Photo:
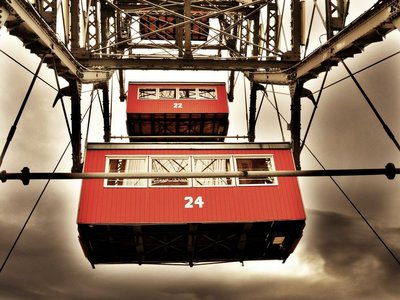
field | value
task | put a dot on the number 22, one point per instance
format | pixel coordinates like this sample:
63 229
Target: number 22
178 105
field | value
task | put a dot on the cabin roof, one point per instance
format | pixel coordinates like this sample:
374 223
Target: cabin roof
188 145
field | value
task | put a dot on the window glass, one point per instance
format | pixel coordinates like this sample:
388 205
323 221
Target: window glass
167 94
255 164
207 94
170 165
127 165
187 93
212 165
147 93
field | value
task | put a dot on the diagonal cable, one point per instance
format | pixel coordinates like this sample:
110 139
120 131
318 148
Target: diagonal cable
371 105
37 202
350 201
19 114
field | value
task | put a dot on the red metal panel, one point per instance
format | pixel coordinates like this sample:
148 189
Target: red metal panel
108 205
135 105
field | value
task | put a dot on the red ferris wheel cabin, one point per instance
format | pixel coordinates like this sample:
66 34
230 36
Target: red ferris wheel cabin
154 26
170 109
189 220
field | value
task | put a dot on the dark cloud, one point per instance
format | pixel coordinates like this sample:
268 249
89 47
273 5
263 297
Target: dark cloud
353 254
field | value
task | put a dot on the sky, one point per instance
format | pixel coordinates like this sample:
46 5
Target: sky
338 257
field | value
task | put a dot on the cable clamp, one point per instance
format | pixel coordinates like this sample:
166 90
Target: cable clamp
26 175
3 176
390 171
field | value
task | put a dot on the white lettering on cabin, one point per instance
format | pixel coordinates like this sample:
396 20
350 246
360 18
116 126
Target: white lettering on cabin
178 105
191 203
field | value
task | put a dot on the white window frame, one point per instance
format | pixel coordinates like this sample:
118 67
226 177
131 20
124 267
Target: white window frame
170 157
255 156
196 91
191 182
147 88
127 157
167 88
207 88
229 157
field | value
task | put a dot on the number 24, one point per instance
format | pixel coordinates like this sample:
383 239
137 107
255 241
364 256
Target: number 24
192 202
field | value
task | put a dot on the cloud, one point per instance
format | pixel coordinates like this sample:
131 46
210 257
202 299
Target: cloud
353 255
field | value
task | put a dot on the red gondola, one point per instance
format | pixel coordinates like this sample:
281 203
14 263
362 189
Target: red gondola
176 109
185 220
163 27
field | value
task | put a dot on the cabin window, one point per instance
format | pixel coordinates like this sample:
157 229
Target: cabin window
148 93
181 93
167 94
207 94
255 164
211 165
170 165
124 165
187 93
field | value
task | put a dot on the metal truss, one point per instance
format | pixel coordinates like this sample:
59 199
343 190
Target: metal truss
91 38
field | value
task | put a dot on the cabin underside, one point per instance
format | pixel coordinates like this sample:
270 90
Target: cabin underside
165 126
189 244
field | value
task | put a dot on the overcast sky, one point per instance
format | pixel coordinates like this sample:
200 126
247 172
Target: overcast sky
338 258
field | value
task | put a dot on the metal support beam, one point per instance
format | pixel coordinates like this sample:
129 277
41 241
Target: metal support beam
354 33
271 31
3 15
48 10
208 63
231 86
106 112
74 13
295 123
188 31
242 243
122 95
178 36
256 31
191 243
335 16
295 29
252 110
390 171
76 125
138 239
47 37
